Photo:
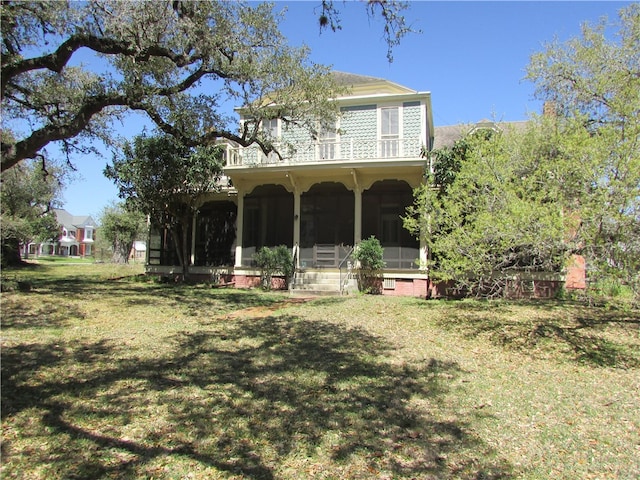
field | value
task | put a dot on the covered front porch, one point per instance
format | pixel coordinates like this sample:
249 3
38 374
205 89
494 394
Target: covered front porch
322 217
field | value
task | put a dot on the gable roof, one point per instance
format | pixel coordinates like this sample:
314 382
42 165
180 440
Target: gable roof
350 79
366 85
78 221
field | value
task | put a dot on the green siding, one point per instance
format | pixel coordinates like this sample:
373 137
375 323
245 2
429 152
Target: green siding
301 140
358 124
411 120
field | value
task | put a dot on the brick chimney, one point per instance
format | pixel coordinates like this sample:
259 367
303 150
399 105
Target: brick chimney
549 108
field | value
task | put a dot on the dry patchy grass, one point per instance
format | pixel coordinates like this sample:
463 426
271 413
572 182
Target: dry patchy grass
105 375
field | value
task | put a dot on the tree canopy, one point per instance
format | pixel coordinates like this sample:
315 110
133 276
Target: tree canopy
121 226
70 68
165 179
27 198
495 212
500 201
595 81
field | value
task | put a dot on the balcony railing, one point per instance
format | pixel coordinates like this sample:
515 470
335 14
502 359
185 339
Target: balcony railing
344 151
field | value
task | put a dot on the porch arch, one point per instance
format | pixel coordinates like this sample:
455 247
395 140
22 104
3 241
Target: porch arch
383 205
326 221
267 220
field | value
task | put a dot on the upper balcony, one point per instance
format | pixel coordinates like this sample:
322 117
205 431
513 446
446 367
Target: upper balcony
351 150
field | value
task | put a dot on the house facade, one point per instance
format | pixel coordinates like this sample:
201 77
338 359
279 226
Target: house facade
321 197
77 237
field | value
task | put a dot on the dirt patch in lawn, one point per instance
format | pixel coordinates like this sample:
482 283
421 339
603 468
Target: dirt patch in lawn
263 311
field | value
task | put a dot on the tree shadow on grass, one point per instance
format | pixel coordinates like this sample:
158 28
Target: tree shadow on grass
595 337
263 398
38 315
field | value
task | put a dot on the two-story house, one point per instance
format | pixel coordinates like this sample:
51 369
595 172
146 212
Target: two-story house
321 197
77 236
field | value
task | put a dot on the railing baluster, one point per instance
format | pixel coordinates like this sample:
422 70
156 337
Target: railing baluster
349 149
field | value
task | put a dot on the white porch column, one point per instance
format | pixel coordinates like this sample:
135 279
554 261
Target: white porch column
193 239
239 228
424 254
424 250
357 220
296 224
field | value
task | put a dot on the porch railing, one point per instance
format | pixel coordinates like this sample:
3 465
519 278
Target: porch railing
401 257
330 256
346 270
342 151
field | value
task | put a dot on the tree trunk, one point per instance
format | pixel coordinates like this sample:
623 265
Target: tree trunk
181 250
120 252
186 248
11 253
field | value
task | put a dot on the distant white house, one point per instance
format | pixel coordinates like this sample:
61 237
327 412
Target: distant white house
138 251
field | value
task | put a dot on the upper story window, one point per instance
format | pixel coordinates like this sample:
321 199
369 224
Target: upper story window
270 127
389 131
88 233
327 144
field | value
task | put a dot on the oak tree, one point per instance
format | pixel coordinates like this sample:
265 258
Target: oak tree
121 225
594 80
70 68
491 210
27 198
165 179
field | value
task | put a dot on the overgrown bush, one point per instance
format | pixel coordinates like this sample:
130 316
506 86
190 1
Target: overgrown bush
369 255
612 293
273 261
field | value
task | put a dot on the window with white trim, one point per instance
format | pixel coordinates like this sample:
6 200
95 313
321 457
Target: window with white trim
327 144
389 131
270 128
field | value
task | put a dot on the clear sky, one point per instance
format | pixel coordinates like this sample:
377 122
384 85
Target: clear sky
471 56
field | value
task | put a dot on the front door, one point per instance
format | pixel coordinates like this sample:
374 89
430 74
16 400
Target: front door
326 219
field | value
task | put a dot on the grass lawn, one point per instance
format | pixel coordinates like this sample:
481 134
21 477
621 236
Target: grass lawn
54 259
108 375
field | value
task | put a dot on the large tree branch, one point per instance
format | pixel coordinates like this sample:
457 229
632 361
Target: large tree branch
208 138
28 148
12 154
58 59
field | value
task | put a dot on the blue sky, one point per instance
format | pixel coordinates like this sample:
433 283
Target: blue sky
471 56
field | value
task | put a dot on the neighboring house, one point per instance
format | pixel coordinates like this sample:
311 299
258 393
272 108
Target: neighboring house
138 251
323 198
77 236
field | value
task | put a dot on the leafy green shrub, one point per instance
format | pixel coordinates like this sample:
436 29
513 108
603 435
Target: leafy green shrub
611 292
277 260
369 255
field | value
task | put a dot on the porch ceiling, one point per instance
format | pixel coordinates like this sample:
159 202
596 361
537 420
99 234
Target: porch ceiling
354 175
